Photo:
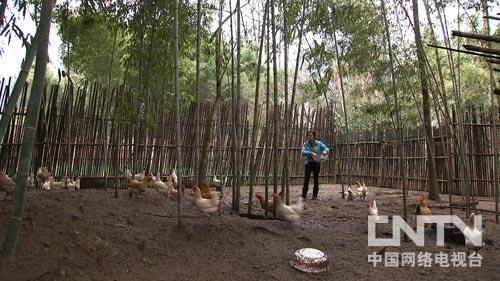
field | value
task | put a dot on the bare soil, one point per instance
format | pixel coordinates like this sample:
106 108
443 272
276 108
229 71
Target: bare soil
90 235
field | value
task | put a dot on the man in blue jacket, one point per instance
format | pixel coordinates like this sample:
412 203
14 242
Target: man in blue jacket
311 150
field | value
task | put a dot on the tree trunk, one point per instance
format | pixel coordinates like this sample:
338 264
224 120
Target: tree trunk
35 99
401 150
444 98
494 135
285 187
177 111
426 108
198 96
237 107
275 104
210 120
253 161
19 85
266 150
344 105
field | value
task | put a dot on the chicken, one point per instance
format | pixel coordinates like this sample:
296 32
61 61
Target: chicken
268 206
372 209
477 234
207 206
216 180
31 181
7 185
46 185
289 213
173 194
140 176
159 185
42 175
362 190
422 210
57 184
173 174
73 185
128 175
135 187
350 194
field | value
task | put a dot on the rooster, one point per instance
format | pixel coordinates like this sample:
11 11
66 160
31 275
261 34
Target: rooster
207 206
289 213
372 209
268 206
135 187
471 230
7 184
422 210
362 190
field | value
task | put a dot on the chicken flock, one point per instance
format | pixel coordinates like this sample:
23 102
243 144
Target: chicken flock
208 201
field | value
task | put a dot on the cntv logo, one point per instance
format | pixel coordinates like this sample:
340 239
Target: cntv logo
398 225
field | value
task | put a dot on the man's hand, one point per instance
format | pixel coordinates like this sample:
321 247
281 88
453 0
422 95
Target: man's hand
325 152
313 154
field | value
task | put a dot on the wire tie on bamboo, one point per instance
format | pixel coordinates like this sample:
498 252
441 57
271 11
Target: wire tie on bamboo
17 218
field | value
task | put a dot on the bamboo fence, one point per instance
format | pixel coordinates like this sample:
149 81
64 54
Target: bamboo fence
70 141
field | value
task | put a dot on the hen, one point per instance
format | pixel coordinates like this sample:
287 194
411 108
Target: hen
42 175
362 190
372 209
135 187
477 234
422 210
350 194
289 213
73 185
207 206
268 206
7 184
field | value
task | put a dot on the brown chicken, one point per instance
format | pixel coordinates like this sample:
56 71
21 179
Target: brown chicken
268 206
422 210
135 187
7 184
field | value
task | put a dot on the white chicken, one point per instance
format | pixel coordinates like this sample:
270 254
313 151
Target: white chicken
31 181
42 175
372 209
362 190
207 206
46 185
73 185
128 175
57 184
475 233
140 176
173 174
159 185
289 213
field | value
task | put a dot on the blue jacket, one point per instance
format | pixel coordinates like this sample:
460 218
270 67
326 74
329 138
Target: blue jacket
317 148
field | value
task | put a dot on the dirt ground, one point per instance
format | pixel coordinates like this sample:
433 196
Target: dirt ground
90 235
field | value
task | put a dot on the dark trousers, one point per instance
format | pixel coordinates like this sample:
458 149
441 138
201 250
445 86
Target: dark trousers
314 168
